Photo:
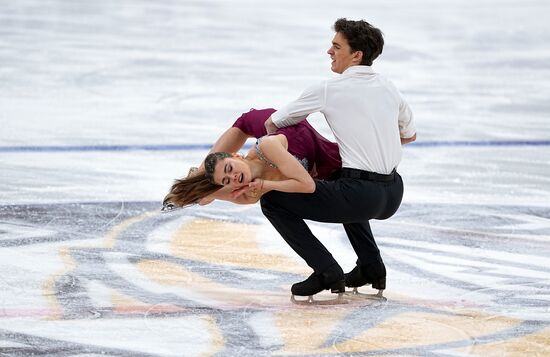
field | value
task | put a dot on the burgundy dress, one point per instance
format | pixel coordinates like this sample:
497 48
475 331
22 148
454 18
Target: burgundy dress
304 142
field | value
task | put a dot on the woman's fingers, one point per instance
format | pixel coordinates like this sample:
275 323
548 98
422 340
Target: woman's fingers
240 191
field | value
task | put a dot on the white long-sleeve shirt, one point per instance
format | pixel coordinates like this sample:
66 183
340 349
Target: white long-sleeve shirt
366 113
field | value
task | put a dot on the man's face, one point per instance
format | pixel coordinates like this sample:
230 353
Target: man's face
341 54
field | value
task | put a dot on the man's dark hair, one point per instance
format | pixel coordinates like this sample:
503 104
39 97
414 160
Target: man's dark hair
363 37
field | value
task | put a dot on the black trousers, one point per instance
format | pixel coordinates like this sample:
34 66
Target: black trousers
352 202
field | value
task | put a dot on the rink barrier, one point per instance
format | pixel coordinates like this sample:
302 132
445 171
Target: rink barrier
201 147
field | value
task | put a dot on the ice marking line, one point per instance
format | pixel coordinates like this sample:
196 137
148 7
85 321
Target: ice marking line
84 148
198 147
48 287
69 264
111 236
52 313
480 143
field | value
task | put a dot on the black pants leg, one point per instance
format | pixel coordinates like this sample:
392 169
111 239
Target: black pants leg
348 201
290 227
362 241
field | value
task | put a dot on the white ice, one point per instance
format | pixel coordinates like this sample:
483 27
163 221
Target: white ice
136 72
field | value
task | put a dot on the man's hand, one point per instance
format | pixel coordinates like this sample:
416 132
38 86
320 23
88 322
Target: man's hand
270 127
408 140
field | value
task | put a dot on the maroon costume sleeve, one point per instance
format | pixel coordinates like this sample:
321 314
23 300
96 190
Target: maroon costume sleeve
304 142
252 123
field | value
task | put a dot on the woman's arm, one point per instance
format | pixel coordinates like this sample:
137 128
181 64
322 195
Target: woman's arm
298 179
248 125
230 141
225 194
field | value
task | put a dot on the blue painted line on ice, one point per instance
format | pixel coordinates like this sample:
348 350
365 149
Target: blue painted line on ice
196 147
481 143
189 147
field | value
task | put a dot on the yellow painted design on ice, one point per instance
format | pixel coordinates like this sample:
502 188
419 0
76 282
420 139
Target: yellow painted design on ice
535 345
220 242
423 329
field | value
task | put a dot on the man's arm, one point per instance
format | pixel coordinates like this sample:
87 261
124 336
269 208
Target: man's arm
407 127
312 100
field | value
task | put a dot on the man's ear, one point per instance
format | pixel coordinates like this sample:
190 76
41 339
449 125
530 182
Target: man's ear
358 56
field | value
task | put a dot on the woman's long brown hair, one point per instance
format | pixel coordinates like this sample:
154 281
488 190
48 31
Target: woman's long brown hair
190 190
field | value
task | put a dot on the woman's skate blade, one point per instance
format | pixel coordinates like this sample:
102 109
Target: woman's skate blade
169 207
311 301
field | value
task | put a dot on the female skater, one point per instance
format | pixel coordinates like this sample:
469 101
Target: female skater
285 161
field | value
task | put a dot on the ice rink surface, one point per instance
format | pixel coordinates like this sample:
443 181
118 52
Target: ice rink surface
104 103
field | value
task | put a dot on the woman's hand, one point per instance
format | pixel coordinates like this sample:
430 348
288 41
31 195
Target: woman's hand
256 184
206 200
253 189
269 126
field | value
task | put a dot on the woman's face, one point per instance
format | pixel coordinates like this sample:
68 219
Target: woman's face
233 172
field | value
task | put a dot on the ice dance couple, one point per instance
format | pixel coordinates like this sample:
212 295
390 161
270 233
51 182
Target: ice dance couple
297 174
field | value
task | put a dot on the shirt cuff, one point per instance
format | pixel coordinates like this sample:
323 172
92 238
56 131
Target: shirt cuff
407 131
278 118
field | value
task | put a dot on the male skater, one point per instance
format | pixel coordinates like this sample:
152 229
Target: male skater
370 120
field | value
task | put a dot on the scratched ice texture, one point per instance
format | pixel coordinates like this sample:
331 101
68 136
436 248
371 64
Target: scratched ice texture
89 267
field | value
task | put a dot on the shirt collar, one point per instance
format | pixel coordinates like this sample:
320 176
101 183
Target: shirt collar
359 69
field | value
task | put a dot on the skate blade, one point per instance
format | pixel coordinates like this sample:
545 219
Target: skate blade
310 301
377 297
169 207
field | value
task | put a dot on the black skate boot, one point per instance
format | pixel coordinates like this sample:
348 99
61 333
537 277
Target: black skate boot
332 278
372 273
